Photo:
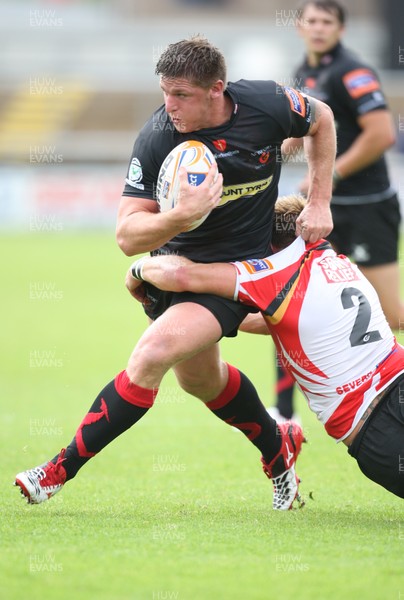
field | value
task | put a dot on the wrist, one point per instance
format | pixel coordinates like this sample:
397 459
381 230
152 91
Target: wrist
136 268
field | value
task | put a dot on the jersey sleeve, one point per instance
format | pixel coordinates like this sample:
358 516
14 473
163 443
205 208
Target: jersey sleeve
360 88
265 282
247 290
154 142
287 111
141 177
299 111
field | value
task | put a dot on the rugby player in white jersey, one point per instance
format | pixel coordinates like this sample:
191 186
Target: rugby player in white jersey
328 325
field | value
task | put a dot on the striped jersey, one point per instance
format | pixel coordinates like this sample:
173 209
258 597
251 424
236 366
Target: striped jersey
326 321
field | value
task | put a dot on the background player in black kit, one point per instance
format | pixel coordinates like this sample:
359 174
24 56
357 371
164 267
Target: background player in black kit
364 205
244 124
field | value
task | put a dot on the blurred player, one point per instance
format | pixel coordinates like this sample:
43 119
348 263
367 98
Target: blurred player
244 125
364 205
328 326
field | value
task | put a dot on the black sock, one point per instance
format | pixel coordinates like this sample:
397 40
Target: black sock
240 406
284 390
119 406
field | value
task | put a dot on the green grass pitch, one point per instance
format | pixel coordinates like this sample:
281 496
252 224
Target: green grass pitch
178 506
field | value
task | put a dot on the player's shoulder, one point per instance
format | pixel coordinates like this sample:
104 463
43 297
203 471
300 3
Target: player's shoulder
267 98
251 90
289 257
297 249
360 81
347 61
292 254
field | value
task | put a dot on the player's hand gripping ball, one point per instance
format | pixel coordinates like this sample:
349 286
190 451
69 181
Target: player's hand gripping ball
197 159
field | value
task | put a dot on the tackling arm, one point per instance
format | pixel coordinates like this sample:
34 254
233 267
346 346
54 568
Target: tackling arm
178 274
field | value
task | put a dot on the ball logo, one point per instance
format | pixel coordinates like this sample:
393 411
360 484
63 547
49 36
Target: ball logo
193 178
196 178
197 160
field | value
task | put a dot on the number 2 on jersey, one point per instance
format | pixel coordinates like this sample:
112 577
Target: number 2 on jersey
359 334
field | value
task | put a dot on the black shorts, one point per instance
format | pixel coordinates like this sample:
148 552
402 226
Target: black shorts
367 233
379 445
228 313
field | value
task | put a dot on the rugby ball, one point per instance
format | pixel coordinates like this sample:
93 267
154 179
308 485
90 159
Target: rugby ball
197 159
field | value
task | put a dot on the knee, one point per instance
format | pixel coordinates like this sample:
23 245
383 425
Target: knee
190 383
202 385
148 363
202 389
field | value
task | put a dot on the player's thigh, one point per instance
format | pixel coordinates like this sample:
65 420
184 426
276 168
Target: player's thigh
180 332
204 375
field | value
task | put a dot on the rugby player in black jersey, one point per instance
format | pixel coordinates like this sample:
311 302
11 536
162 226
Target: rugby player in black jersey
244 125
364 205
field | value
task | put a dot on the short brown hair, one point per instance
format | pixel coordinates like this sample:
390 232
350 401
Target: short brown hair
194 59
330 6
287 209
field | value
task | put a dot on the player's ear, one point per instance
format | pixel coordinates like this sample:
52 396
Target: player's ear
217 89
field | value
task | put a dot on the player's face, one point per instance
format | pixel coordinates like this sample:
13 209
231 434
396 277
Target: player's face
188 106
320 30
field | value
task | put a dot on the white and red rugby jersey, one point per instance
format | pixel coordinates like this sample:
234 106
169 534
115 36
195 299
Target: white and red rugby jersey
326 320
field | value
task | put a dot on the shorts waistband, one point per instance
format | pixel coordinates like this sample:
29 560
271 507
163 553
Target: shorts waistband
365 417
386 194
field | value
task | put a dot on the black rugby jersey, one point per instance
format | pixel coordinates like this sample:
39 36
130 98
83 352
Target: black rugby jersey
247 151
351 89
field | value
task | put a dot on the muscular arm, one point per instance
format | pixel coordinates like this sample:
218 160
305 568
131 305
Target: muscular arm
142 228
377 135
315 221
178 274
